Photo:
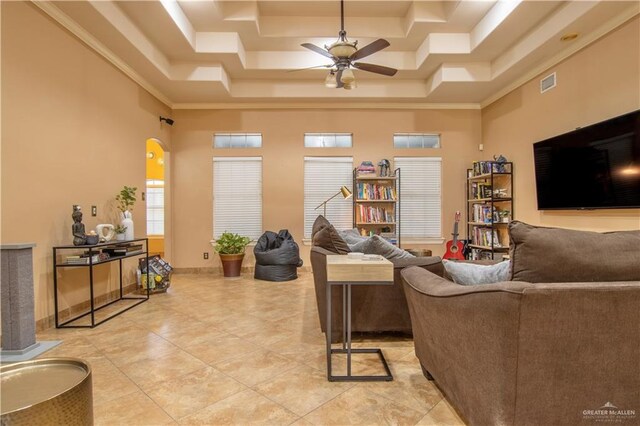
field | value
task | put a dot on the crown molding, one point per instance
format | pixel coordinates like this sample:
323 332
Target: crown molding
575 47
84 36
325 105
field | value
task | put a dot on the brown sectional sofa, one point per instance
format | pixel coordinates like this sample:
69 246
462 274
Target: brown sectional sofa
375 308
537 353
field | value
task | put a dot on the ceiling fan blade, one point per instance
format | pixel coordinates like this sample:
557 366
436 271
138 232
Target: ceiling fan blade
339 79
317 49
310 68
378 69
370 49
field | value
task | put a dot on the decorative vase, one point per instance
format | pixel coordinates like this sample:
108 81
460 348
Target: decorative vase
127 222
231 264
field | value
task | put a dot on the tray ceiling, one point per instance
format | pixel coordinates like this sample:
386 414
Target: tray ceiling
197 53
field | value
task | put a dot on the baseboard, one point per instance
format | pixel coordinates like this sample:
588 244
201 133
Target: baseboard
50 321
218 270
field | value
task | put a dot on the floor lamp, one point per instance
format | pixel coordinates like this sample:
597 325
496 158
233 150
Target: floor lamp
346 193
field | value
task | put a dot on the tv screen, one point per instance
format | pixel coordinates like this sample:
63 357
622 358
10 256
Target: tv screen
594 167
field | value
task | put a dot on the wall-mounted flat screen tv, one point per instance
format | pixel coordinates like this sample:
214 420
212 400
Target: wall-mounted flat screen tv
594 167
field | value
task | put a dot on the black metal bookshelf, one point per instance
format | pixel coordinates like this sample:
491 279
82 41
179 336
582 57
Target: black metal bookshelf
367 226
489 208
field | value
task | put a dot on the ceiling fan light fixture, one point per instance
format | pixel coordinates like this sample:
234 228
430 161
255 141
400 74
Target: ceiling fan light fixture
347 76
351 86
342 49
331 81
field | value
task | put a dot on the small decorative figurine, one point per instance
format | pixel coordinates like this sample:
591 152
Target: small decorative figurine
499 166
79 236
108 235
385 165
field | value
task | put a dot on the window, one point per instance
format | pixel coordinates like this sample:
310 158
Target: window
237 140
328 140
416 140
155 207
420 202
323 177
237 196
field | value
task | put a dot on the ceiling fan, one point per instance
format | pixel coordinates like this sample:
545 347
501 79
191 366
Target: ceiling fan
345 54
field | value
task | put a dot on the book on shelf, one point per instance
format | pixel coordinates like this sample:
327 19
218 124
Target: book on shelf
486 167
480 190
86 259
486 237
369 214
123 249
369 191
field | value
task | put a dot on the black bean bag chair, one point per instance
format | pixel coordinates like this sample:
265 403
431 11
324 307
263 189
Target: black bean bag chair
277 257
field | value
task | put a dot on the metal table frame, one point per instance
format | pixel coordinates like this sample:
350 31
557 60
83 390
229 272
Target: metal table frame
95 249
346 336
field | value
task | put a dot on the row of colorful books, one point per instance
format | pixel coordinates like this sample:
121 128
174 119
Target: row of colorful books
370 214
370 191
480 190
85 258
487 237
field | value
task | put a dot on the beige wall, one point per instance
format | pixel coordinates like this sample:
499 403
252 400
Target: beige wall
283 153
597 83
74 131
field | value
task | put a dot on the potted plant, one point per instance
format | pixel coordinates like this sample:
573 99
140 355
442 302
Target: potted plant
120 230
126 199
231 247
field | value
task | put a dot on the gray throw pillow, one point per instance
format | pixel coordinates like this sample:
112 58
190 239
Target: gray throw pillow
351 236
471 274
378 245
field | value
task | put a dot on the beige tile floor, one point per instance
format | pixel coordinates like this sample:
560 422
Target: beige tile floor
221 351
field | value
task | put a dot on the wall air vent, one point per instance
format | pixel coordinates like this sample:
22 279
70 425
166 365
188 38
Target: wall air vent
548 83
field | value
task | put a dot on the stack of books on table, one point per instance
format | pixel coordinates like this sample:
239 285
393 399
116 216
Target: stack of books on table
86 259
123 249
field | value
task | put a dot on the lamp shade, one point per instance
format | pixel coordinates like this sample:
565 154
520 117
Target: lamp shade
345 192
330 81
342 49
347 76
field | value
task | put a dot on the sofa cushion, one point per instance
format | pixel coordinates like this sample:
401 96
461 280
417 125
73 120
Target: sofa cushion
465 273
329 239
351 236
540 254
378 245
318 224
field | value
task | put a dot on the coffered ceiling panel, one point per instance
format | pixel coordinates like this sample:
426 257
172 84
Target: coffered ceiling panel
191 52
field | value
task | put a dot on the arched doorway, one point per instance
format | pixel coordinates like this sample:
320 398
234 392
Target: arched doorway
155 197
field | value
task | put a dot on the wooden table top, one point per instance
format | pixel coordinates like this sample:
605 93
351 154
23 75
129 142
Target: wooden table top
346 269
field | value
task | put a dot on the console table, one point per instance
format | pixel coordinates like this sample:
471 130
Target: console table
345 272
93 250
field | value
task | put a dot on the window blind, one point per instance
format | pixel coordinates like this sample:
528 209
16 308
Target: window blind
323 177
237 196
155 207
420 196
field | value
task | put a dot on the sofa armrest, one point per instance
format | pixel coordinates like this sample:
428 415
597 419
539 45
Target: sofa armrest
466 337
432 285
429 263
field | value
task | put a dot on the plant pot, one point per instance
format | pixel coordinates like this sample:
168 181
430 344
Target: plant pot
231 264
119 237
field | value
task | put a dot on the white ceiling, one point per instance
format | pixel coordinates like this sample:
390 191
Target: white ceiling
194 53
